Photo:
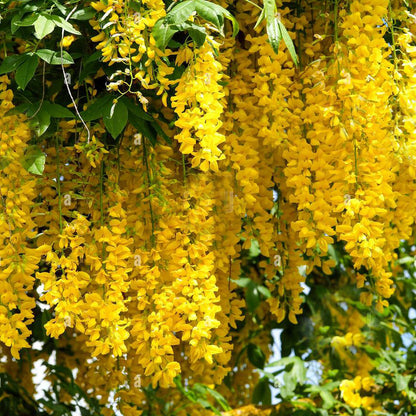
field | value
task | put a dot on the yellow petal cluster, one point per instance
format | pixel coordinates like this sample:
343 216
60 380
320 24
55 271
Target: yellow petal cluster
19 254
198 104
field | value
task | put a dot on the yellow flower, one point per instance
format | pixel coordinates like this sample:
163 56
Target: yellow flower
67 40
351 389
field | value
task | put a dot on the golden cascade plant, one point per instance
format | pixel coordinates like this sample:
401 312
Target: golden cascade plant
169 211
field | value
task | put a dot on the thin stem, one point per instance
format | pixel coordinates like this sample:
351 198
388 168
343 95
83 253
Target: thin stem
254 4
66 79
148 185
299 50
77 135
43 92
102 215
101 193
58 183
183 169
336 21
118 154
393 41
356 164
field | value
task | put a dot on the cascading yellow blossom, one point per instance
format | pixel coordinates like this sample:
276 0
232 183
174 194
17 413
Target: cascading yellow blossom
19 255
245 168
198 104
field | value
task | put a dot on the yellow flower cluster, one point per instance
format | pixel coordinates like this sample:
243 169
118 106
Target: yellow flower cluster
125 36
19 256
123 32
352 390
198 104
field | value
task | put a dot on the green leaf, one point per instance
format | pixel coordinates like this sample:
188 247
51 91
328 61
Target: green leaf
34 160
269 7
207 405
41 118
11 63
406 260
58 409
296 366
333 253
256 355
143 121
89 69
164 29
84 14
42 121
62 23
209 12
299 371
229 16
57 110
200 389
117 119
324 329
274 34
61 371
282 362
276 30
219 398
98 109
197 33
260 19
26 70
254 250
136 109
163 33
288 387
54 57
252 297
60 7
174 21
161 133
178 383
262 392
243 281
145 128
328 399
92 58
215 14
15 20
27 21
181 12
43 26
21 108
288 42
401 382
264 291
412 396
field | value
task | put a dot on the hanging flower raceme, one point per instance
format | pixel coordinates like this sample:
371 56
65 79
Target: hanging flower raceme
404 62
365 87
19 256
125 37
198 104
